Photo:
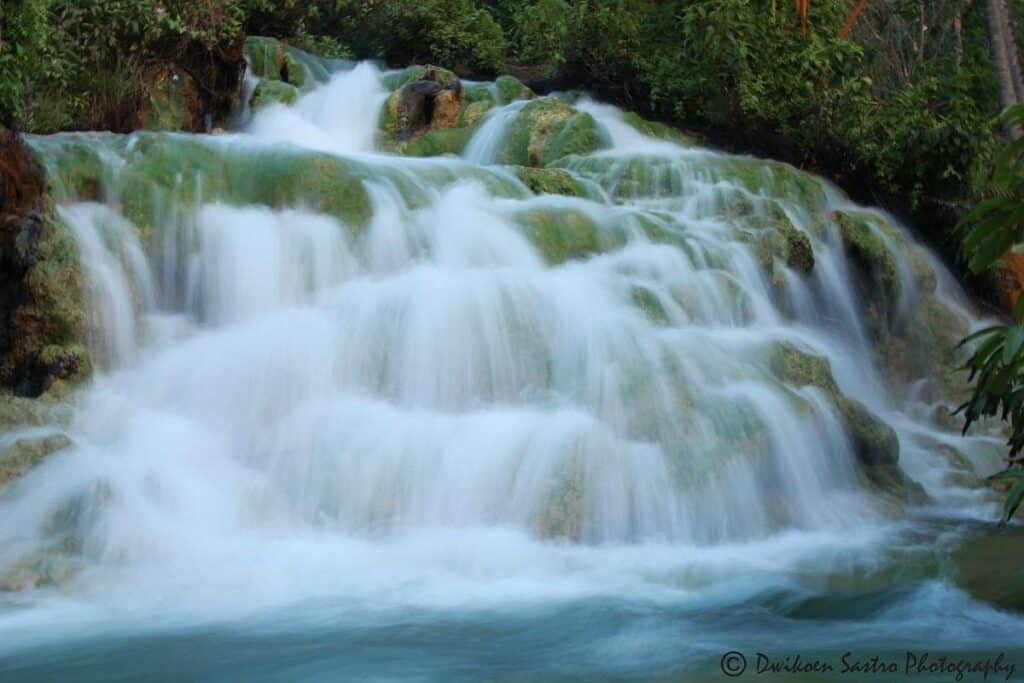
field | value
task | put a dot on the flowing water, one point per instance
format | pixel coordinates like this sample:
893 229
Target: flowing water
443 441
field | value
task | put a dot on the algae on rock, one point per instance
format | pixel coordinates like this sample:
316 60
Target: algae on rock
546 130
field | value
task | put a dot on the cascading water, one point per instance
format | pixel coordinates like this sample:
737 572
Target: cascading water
355 407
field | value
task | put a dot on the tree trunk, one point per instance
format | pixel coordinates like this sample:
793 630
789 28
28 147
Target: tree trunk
853 18
1012 53
923 29
958 30
998 30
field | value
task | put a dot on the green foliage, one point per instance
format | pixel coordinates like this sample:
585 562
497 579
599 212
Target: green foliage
997 223
909 116
70 64
24 58
1014 497
997 365
454 33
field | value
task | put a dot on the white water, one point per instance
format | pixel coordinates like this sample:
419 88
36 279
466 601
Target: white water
426 414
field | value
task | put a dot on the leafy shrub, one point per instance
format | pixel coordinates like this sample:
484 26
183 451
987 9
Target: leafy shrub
543 32
997 364
24 59
452 33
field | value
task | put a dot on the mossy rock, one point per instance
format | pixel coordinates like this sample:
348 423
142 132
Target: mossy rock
436 143
565 234
420 72
658 130
865 245
427 98
563 515
548 181
511 89
874 442
628 178
546 130
273 92
24 454
479 93
648 302
266 57
50 326
989 566
295 72
921 268
923 343
77 164
800 368
18 413
777 239
474 112
171 102
768 178
162 170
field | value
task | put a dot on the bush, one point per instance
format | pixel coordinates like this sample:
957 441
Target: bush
24 58
452 33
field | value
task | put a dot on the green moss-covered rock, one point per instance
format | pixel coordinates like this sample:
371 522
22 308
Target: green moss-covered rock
273 92
989 565
799 252
865 245
283 75
874 442
648 302
799 368
656 130
295 72
436 143
171 102
426 98
162 171
479 92
511 89
548 181
473 112
562 517
418 72
630 177
768 178
564 234
26 453
545 130
266 57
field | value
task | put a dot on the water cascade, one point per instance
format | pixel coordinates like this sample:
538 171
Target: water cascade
576 372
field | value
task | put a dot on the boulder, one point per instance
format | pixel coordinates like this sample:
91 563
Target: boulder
874 442
273 92
989 565
266 57
428 99
26 453
511 89
657 130
546 130
42 289
172 101
864 241
548 181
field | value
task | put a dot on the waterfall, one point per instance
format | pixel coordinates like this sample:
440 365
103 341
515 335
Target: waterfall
326 371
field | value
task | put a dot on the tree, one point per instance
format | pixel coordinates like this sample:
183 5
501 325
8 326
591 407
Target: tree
996 366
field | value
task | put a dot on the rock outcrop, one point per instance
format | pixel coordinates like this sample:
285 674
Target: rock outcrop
41 284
